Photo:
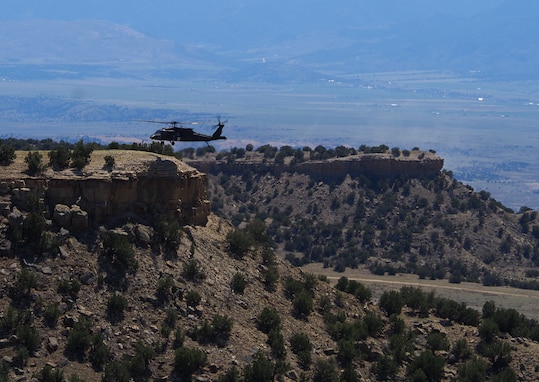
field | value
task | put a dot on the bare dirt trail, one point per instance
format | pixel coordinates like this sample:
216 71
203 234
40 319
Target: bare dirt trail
474 295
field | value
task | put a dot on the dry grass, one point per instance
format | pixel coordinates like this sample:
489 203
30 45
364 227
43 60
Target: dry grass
474 295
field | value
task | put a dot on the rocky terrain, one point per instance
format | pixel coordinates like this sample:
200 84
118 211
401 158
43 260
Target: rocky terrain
151 277
418 219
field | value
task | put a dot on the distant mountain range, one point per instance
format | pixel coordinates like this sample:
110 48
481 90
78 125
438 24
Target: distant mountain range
297 40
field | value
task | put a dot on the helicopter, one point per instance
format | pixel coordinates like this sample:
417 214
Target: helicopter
176 132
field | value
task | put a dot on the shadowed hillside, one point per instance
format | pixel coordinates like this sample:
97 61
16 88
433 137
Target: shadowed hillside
154 297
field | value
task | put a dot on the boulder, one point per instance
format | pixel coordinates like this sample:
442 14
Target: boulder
62 215
79 219
22 196
5 208
52 344
144 234
16 217
5 188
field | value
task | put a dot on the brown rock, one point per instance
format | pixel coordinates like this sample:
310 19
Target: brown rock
52 344
62 215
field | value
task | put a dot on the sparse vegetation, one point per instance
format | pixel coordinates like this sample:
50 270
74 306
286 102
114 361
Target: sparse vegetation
119 253
7 154
188 360
116 306
187 295
34 160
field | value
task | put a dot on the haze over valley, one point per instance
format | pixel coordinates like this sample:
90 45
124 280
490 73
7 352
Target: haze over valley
456 79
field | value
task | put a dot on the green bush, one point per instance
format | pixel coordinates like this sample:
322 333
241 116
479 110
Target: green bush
69 287
116 306
59 159
437 341
221 327
349 375
231 375
239 243
188 360
346 351
7 154
26 281
34 160
374 323
79 339
400 345
80 156
14 318
192 298
179 338
300 342
171 317
391 302
276 343
474 370
48 374
271 278
325 371
29 337
117 372
260 370
268 319
109 161
427 367
51 314
302 304
139 365
34 226
21 357
165 283
292 287
385 368
505 375
498 352
461 350
99 352
168 236
120 253
217 331
301 346
238 283
192 271
488 330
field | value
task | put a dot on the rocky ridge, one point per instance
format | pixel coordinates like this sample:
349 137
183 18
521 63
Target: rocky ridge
79 259
144 185
417 164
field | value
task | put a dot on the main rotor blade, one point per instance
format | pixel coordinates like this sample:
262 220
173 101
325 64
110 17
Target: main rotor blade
161 122
170 122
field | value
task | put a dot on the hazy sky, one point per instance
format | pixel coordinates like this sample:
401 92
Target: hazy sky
203 19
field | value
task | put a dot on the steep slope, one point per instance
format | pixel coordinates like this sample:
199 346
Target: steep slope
430 224
158 301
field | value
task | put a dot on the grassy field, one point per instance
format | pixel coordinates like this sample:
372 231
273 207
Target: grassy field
474 295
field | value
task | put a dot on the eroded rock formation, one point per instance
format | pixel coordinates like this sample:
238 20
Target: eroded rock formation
141 185
421 164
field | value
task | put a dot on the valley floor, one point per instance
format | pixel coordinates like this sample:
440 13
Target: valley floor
474 295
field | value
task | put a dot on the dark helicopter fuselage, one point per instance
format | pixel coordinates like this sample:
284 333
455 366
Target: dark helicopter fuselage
186 134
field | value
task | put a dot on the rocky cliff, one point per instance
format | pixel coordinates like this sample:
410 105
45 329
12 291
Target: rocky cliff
418 164
140 185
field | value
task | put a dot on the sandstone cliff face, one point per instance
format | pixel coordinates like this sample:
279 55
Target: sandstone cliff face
384 165
143 185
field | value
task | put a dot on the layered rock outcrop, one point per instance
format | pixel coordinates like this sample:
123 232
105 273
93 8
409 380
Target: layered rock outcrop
141 185
420 164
